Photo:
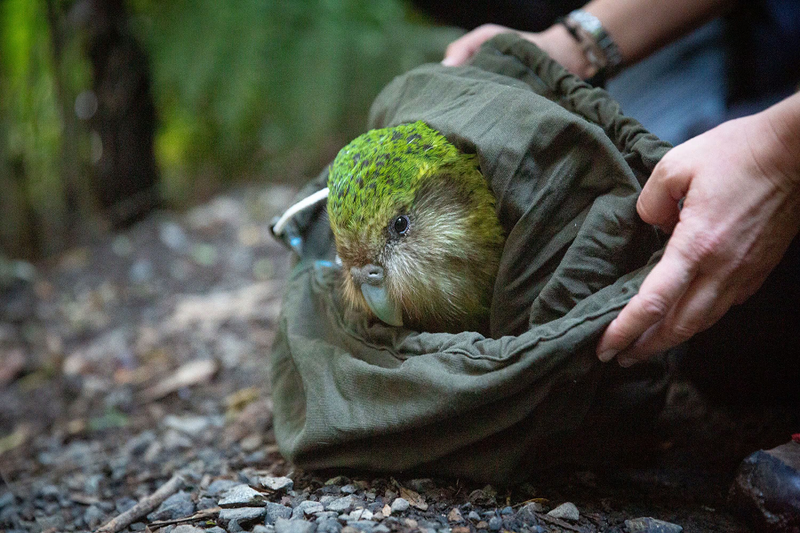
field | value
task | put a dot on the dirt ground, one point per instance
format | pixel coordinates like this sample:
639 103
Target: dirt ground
145 354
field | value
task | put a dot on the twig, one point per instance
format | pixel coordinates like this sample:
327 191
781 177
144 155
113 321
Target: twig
199 515
558 522
146 505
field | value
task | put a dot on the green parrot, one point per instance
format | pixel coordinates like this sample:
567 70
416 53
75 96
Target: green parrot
416 230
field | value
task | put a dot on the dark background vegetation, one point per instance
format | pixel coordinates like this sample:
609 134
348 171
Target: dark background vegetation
109 108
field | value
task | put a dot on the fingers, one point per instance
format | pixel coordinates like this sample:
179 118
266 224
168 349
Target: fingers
660 292
658 202
460 50
699 308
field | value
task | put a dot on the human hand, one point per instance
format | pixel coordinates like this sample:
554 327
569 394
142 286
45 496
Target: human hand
741 188
556 41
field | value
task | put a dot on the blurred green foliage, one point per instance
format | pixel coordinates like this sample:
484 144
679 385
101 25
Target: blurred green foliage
246 90
270 89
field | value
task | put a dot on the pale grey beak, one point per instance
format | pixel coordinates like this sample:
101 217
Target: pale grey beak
371 280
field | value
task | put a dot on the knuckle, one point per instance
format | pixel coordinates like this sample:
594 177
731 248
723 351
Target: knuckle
653 306
682 332
703 246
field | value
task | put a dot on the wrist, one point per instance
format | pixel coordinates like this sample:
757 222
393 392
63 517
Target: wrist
562 47
782 123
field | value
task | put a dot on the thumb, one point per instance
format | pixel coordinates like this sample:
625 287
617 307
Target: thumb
658 203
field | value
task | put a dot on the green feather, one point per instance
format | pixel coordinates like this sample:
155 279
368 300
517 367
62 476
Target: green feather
442 271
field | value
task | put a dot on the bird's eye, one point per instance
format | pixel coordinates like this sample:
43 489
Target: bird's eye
400 225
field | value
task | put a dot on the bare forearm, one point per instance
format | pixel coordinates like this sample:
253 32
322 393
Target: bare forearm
639 27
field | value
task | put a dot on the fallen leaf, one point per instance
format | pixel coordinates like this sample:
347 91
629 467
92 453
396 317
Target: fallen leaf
192 373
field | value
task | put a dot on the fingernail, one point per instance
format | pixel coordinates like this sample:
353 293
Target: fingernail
625 362
607 355
449 62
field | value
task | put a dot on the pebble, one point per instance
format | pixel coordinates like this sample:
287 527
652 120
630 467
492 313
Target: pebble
360 514
329 526
93 516
261 529
179 505
294 526
651 525
365 526
343 504
184 528
276 511
455 515
307 507
241 496
566 511
349 489
6 500
242 515
277 483
399 505
218 486
495 523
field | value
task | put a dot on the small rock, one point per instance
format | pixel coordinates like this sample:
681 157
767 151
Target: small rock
294 526
306 508
527 515
326 515
482 525
360 514
507 510
276 511
260 529
386 511
338 480
179 505
277 483
215 529
474 516
243 515
187 529
364 526
343 504
455 515
6 500
651 525
206 503
421 485
495 523
93 516
399 505
218 486
241 496
349 489
566 511
329 526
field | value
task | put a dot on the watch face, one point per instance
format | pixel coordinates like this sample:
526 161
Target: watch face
589 22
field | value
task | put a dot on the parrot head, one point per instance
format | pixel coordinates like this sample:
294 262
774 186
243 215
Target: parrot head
415 229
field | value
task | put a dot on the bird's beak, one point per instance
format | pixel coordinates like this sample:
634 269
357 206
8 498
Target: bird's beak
372 282
382 305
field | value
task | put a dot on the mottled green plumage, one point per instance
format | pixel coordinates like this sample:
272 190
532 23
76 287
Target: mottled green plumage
440 271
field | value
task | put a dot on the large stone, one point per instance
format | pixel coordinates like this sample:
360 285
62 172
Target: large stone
767 489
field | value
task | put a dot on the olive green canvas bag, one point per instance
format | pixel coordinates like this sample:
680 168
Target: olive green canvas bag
566 167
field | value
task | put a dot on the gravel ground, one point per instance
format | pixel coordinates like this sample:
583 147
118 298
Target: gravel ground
140 362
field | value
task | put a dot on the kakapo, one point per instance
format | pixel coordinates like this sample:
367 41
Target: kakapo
416 229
